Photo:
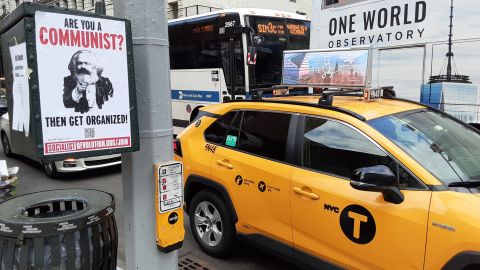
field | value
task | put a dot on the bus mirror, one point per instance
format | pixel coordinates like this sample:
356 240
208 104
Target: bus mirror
257 40
252 55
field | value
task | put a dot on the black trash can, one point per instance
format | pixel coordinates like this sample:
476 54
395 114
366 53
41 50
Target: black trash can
59 229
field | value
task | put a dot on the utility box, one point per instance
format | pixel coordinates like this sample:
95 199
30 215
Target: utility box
70 83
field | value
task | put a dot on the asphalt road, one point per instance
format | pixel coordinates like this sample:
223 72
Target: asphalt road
32 179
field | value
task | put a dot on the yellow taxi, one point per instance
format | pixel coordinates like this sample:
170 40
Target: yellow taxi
335 182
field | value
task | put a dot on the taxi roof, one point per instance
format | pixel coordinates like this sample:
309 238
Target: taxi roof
369 110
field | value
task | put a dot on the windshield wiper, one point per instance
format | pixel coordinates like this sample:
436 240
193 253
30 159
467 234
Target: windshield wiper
466 184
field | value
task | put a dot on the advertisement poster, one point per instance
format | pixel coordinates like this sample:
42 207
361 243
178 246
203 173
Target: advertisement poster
340 68
83 83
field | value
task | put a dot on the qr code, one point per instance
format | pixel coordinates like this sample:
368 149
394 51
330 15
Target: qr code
89 133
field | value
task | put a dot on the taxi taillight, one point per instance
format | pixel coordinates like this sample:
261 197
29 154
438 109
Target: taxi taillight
177 148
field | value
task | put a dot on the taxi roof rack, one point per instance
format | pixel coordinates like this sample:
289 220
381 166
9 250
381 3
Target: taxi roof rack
326 94
320 106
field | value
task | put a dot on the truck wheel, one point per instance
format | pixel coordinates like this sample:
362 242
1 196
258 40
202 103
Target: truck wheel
211 226
6 145
50 170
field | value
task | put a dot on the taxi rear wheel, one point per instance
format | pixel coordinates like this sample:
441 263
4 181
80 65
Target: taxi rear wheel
211 226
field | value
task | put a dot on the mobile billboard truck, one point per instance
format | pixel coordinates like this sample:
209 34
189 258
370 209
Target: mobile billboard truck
70 88
427 49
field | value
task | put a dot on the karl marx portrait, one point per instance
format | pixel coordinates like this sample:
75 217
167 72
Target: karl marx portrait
85 88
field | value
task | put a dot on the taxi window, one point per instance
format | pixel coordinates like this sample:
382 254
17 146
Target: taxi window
265 134
334 148
216 133
233 132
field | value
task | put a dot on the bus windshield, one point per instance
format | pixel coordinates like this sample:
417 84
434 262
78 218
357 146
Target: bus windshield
280 34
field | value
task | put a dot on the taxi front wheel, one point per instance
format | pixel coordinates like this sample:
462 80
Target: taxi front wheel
211 226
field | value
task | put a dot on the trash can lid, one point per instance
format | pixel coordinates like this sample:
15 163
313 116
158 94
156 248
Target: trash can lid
54 211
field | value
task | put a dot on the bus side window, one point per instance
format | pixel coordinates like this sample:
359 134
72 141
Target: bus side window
201 43
175 34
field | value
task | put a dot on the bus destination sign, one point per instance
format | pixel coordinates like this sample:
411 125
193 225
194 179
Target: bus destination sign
297 29
271 28
282 29
203 29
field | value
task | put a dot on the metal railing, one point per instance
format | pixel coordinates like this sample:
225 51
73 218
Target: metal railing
190 11
108 8
108 5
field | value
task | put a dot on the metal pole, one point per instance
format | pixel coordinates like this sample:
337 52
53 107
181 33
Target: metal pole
152 76
231 52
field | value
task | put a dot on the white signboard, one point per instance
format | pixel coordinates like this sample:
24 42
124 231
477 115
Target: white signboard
20 89
170 193
83 83
384 23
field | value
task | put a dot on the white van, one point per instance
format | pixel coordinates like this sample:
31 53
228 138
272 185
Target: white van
55 169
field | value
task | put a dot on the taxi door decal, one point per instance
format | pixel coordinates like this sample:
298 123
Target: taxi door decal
358 224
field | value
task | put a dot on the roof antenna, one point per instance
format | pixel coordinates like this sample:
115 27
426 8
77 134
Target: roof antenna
450 53
449 77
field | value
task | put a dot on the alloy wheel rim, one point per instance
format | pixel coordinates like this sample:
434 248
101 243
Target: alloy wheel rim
208 224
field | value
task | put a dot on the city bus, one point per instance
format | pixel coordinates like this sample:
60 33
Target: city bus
209 51
428 49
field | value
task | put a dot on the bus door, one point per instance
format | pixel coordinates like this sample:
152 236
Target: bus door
232 56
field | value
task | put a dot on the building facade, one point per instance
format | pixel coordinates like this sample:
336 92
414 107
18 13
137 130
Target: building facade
185 8
177 8
461 100
86 5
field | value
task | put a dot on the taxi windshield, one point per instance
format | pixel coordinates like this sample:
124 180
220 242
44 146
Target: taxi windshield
449 149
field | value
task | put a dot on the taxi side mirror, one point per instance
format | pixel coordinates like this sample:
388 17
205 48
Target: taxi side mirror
378 179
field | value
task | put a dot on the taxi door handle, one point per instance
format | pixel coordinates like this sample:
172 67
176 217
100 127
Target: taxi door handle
225 163
302 192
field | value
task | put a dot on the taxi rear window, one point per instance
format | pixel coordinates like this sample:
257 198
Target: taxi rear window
216 133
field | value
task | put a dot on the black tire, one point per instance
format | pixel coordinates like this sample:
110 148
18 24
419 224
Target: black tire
7 149
223 247
50 170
